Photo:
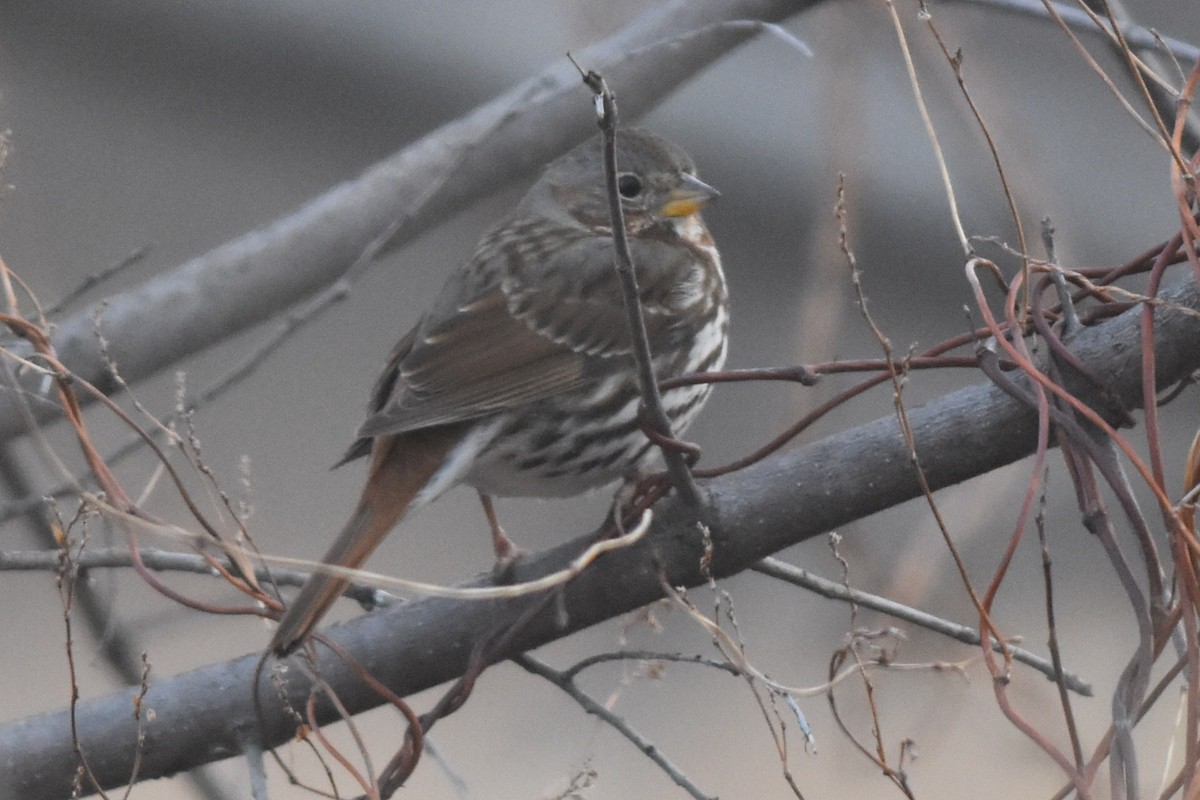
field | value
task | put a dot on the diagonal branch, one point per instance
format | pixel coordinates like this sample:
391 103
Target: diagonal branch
253 278
757 511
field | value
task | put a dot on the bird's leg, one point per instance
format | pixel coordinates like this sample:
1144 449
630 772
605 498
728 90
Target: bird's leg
507 553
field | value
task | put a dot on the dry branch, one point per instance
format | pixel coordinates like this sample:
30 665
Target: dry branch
253 278
203 715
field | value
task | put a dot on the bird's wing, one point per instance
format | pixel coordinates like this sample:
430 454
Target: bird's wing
527 320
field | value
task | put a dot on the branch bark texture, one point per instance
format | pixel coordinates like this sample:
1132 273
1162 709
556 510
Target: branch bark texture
204 715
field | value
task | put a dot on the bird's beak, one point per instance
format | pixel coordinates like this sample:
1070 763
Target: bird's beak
691 195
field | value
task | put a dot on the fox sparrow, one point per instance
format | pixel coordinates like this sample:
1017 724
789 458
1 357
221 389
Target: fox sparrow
520 379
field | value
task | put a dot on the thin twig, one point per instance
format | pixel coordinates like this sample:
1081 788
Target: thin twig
955 61
1136 35
648 748
1060 676
647 655
960 633
68 578
169 561
930 131
97 278
677 465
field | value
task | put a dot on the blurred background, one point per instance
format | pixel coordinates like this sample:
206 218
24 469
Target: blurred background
179 126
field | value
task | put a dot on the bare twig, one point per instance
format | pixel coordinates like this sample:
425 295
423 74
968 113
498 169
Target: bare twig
788 498
961 633
97 278
68 578
564 682
1136 35
930 131
1060 676
677 465
168 561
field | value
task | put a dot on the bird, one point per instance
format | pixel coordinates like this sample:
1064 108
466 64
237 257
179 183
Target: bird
520 379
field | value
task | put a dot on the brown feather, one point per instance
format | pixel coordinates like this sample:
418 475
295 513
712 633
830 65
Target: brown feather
401 466
518 379
529 338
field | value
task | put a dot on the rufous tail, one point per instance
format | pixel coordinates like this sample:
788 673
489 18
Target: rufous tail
400 467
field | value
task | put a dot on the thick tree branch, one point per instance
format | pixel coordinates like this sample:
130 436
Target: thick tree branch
250 279
203 715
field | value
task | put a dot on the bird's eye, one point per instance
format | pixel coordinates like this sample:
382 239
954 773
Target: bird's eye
629 185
